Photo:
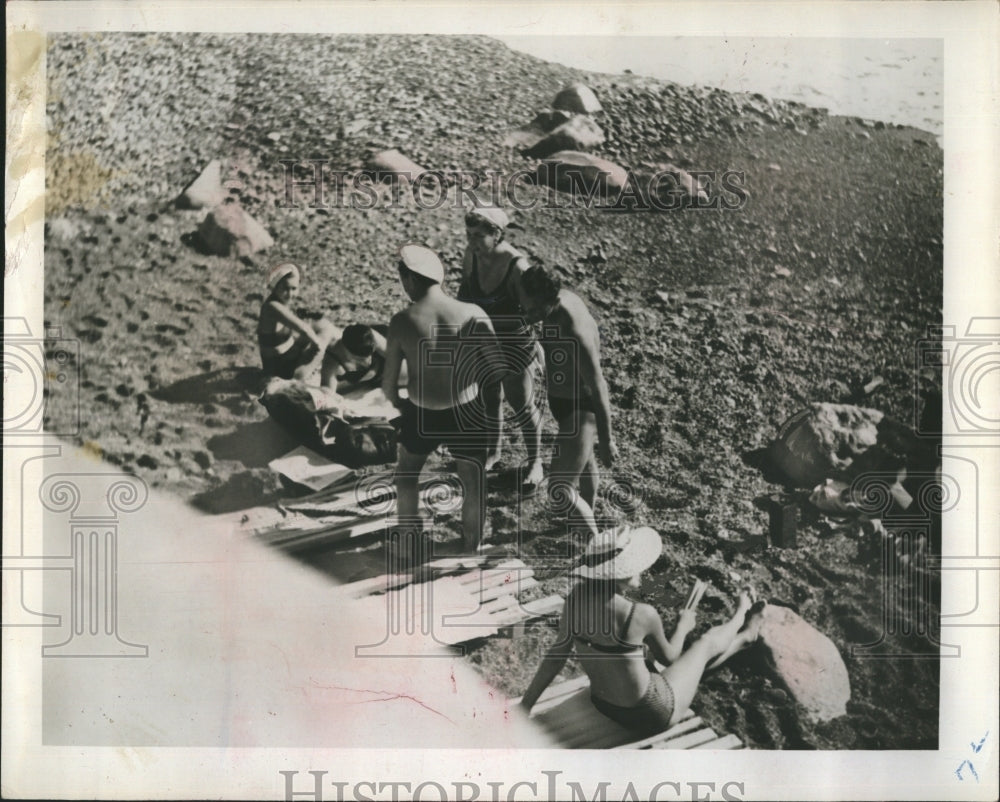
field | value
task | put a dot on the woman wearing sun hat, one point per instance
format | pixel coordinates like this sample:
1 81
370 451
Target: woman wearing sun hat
289 346
491 268
611 636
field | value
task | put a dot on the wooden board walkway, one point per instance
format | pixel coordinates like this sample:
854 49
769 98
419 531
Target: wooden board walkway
469 598
332 517
566 713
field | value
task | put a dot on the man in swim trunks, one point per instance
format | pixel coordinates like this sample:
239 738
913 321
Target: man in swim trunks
447 345
491 270
577 392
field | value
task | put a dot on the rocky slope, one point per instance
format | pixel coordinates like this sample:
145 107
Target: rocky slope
716 325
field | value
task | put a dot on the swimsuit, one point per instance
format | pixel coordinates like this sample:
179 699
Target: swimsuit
280 354
621 647
461 428
517 341
652 713
564 407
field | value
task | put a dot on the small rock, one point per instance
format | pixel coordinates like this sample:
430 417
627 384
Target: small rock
203 459
148 461
392 163
774 167
578 98
784 272
229 230
205 191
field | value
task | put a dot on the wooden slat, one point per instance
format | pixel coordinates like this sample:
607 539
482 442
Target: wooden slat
725 742
597 733
556 693
682 727
688 741
336 534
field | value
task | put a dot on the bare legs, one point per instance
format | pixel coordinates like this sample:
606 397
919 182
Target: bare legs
519 388
574 469
714 647
470 474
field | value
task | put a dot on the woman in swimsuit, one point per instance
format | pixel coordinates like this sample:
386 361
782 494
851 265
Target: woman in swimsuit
491 269
612 636
289 346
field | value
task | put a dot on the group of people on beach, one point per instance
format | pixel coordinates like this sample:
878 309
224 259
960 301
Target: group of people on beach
457 358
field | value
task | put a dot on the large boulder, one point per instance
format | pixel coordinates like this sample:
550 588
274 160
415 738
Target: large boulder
578 98
823 441
807 662
391 164
572 171
229 230
578 133
206 191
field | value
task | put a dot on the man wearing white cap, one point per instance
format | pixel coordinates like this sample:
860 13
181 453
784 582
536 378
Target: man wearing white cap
491 270
450 348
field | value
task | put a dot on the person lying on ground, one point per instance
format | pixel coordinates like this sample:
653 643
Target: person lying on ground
611 634
446 344
290 347
357 359
491 270
577 391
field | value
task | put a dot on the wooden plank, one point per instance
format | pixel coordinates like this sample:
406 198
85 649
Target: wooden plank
375 584
599 732
555 693
336 535
725 742
688 741
550 605
567 720
688 723
512 567
261 520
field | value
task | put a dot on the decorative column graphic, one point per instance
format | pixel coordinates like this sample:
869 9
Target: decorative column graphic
93 502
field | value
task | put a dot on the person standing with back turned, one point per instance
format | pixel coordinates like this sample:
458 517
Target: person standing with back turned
448 347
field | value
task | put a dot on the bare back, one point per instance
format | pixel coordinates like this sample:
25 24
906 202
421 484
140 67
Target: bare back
597 626
566 331
441 340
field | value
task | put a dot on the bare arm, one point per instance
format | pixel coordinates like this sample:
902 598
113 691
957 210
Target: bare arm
464 293
380 343
487 347
593 378
294 322
393 362
666 651
552 663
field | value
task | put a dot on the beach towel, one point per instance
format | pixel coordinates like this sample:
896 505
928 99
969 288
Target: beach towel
330 424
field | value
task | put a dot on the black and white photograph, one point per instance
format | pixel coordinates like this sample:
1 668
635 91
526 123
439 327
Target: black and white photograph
501 402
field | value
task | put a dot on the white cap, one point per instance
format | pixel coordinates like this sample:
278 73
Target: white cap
422 260
491 214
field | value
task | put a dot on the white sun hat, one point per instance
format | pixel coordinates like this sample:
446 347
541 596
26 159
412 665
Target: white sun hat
620 553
